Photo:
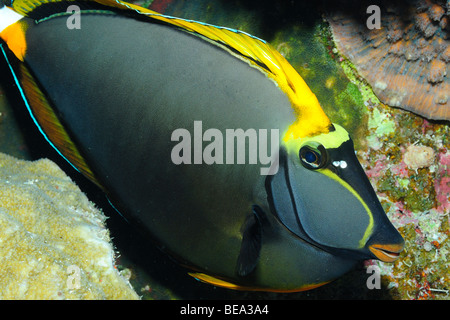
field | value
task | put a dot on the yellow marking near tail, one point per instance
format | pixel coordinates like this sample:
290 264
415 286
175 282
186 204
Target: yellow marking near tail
225 284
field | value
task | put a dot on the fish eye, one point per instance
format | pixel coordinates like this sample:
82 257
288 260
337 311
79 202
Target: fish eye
313 156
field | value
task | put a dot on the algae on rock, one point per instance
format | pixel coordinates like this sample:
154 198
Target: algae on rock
53 241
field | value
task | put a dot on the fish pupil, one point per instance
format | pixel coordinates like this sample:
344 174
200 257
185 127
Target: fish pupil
313 156
310 157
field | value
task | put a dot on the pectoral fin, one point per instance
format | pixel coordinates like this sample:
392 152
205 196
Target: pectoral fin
251 244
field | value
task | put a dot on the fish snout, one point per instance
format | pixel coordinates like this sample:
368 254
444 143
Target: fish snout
386 242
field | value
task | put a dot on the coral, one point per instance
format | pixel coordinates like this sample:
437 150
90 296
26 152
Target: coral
406 60
409 168
53 241
438 70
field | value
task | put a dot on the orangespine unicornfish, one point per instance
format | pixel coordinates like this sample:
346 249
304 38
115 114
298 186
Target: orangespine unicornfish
205 137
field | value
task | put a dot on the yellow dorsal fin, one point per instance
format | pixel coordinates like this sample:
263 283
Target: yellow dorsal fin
311 119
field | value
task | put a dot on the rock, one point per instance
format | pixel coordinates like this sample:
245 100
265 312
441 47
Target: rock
53 240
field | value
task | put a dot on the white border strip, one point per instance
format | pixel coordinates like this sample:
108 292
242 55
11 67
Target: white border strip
8 17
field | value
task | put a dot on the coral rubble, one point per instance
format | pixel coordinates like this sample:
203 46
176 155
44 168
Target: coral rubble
53 241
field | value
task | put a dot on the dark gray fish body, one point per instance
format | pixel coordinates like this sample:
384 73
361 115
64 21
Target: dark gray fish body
122 86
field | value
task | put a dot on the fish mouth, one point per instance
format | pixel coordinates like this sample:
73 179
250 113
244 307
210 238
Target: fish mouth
387 252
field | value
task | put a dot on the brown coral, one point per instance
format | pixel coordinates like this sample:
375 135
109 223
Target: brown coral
406 60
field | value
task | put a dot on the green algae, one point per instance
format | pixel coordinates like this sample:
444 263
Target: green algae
304 49
350 71
416 191
381 122
351 104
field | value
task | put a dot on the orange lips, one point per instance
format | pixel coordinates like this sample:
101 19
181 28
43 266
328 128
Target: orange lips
387 252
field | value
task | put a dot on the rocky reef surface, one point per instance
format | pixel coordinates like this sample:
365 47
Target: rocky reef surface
53 240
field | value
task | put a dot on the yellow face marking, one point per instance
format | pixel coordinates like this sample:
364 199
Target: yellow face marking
331 140
369 228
